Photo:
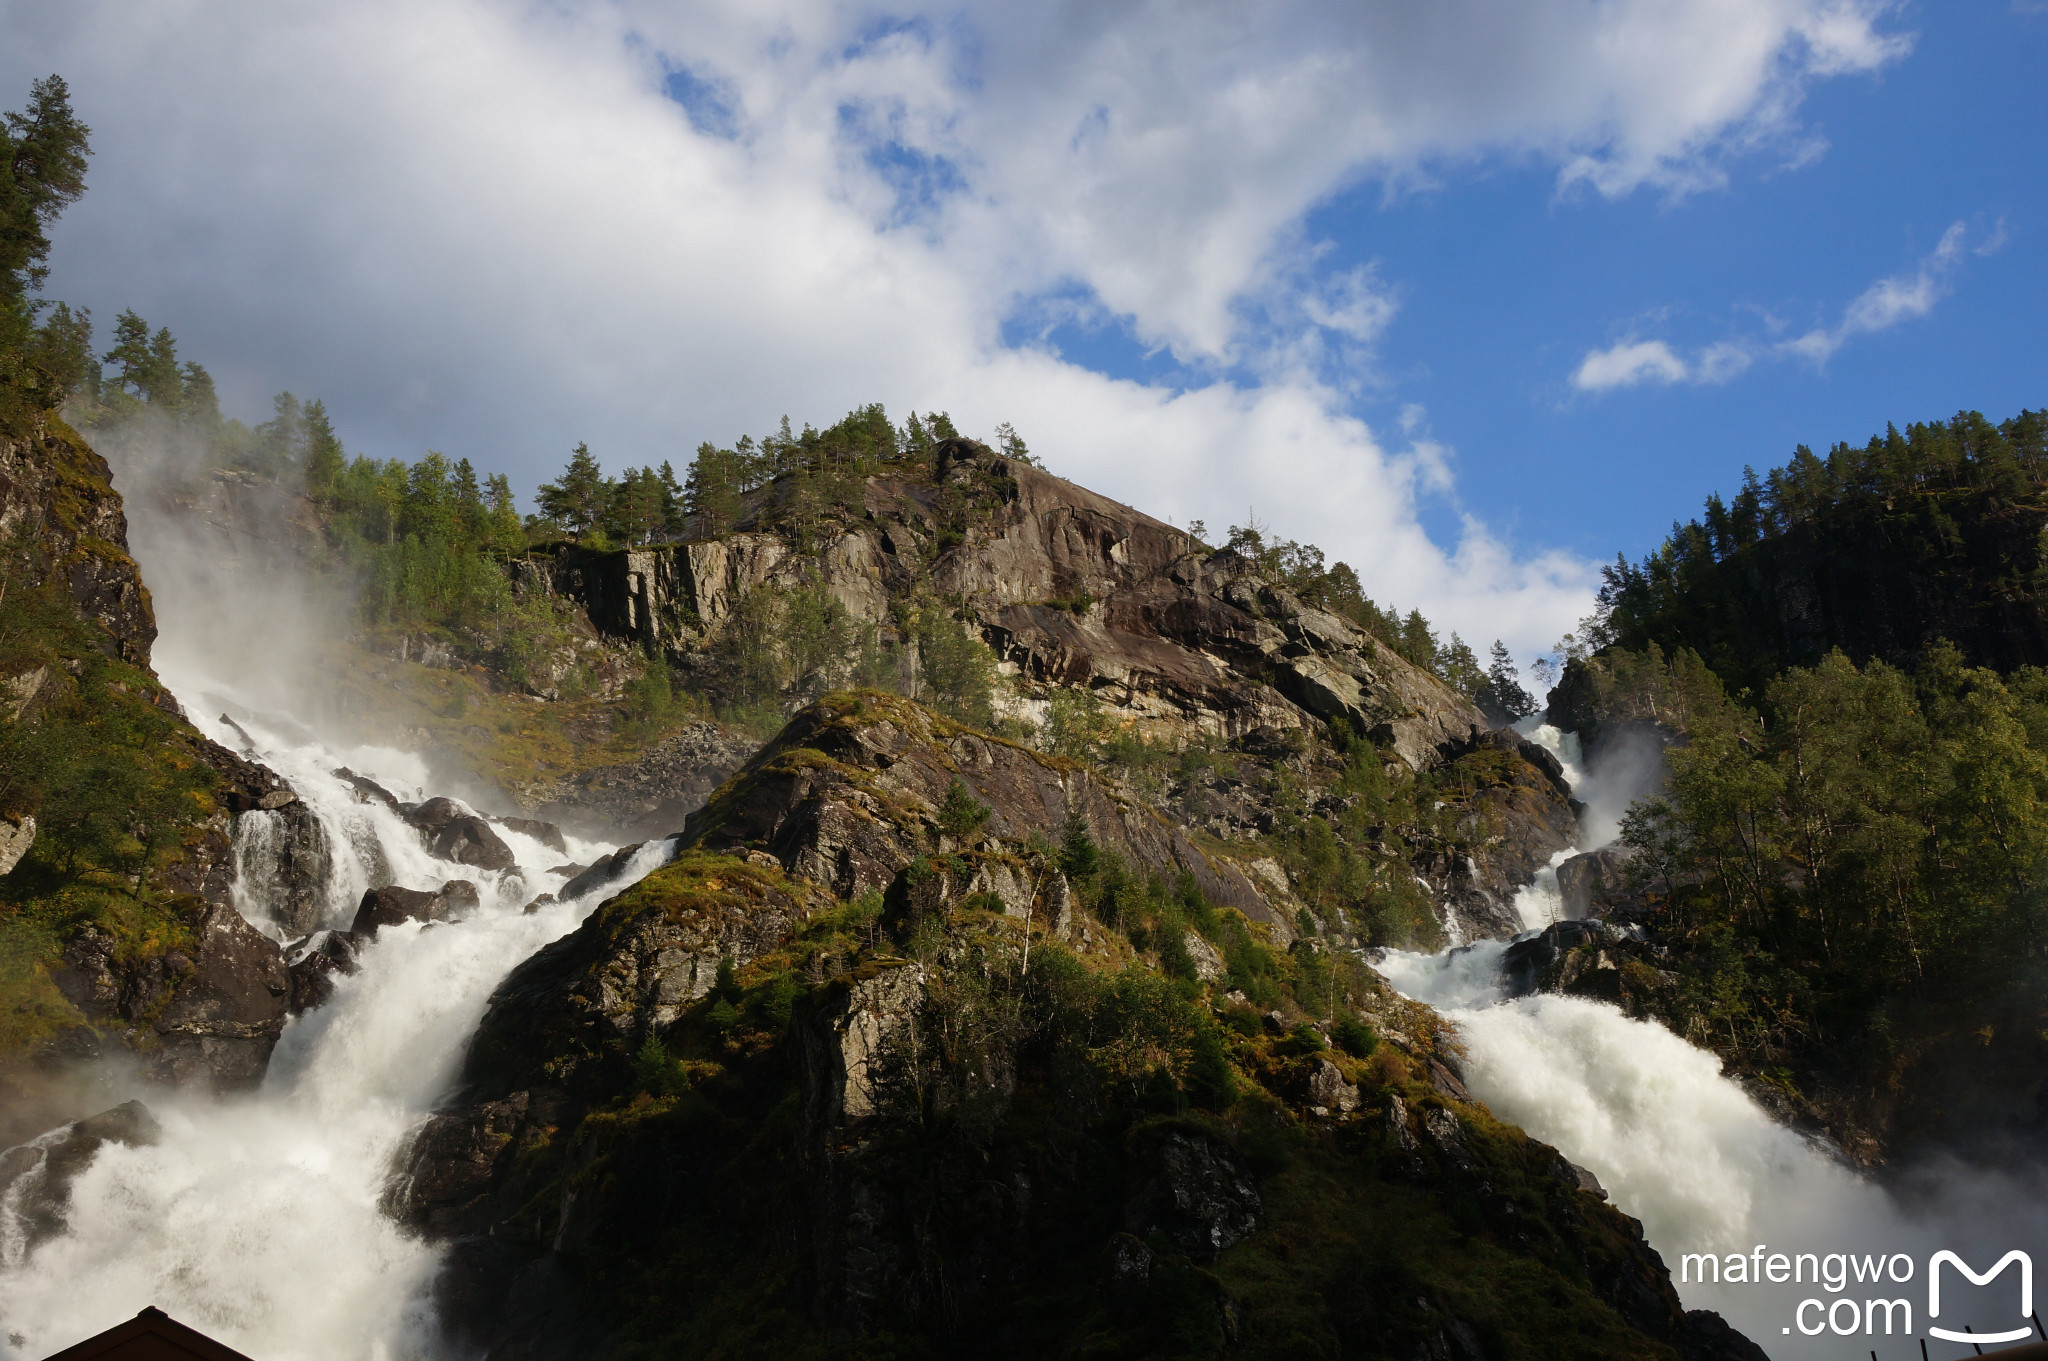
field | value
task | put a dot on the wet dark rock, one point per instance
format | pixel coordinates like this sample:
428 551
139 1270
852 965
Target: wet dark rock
1524 963
546 833
315 965
368 790
392 905
465 838
46 1167
214 1011
604 870
652 795
1595 882
297 868
1198 1194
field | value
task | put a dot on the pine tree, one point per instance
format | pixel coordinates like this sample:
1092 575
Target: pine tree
148 363
577 499
1011 445
503 530
64 351
325 459
1503 693
42 171
674 516
281 440
711 496
197 400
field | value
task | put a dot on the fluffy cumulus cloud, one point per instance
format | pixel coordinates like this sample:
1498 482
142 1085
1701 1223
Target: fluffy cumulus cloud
1883 305
496 229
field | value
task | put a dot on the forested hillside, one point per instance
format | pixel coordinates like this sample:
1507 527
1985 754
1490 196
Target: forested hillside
1850 854
1939 532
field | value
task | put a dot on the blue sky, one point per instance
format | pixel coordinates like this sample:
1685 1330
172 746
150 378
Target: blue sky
1471 294
1504 283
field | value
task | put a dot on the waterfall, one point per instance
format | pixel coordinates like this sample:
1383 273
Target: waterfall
1687 1151
255 1218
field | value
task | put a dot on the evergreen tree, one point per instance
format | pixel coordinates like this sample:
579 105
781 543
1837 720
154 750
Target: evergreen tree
281 440
64 351
674 516
43 151
502 528
711 496
578 498
634 510
325 459
148 363
1011 445
1503 697
197 399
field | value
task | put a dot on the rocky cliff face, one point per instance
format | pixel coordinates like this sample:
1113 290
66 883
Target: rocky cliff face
1175 642
142 954
1068 587
865 1066
851 792
57 500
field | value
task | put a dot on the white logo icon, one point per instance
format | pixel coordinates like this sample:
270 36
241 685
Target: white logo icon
2026 1294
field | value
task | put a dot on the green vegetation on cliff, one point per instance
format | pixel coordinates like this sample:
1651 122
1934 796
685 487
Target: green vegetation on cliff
1103 1117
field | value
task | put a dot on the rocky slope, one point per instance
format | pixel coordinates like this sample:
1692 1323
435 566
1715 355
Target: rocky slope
1068 587
118 935
874 1065
1175 643
65 522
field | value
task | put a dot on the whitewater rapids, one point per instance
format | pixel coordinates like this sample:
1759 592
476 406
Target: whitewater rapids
1688 1152
256 1218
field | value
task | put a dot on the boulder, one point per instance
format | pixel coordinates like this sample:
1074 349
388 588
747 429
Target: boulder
368 790
1199 1194
604 870
1593 882
1524 963
454 833
285 863
1328 1089
389 906
212 1009
16 836
45 1168
316 962
546 833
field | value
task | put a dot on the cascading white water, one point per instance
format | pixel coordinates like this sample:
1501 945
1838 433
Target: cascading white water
1690 1154
256 1218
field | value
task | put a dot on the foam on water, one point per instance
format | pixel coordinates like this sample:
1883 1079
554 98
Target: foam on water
1687 1151
256 1218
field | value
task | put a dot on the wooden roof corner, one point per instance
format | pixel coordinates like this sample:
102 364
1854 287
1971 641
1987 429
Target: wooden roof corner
151 1335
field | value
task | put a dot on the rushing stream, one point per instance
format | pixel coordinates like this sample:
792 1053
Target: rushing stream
1685 1150
255 1218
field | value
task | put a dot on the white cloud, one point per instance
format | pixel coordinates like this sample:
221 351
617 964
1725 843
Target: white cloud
486 228
1886 303
1627 363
